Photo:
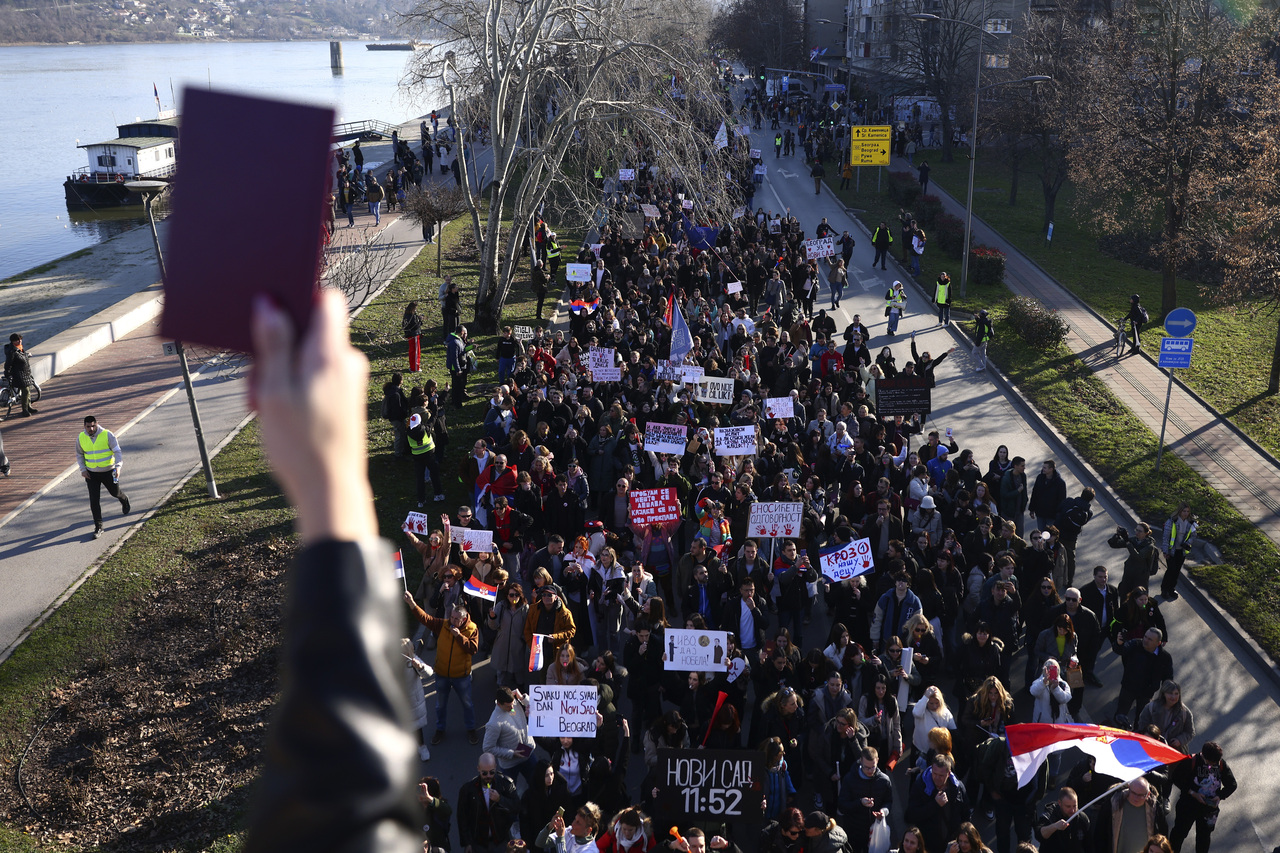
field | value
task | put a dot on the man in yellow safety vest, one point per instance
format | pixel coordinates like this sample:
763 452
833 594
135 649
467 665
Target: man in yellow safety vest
100 460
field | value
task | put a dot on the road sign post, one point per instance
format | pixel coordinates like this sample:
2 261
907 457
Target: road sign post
869 145
1175 353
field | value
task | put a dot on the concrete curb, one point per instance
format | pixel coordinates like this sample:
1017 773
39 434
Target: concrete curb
85 338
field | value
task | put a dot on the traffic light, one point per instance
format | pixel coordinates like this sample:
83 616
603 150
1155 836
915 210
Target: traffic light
762 74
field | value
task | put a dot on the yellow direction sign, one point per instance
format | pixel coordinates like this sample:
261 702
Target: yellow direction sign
869 146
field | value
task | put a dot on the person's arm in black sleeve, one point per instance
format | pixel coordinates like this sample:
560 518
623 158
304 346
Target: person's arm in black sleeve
340 762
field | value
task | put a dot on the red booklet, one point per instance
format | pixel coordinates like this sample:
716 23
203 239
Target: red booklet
248 213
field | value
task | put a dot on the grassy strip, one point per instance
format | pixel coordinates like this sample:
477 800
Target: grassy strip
99 616
1233 349
1081 406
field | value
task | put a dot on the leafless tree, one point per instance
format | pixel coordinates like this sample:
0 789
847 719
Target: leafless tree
762 32
432 206
566 92
1171 89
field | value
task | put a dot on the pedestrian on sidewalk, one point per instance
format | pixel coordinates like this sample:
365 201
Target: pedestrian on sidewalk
373 193
907 225
924 176
1137 316
882 240
1179 533
942 298
17 369
817 173
4 460
911 150
846 175
358 156
100 459
838 278
983 333
411 326
918 240
538 278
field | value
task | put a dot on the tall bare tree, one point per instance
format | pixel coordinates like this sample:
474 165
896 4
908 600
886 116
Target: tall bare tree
942 54
762 32
1161 105
566 92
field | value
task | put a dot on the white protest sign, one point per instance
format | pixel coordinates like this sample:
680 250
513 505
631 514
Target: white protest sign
606 374
687 204
714 389
697 651
735 441
738 212
471 540
847 562
755 153
762 170
779 407
595 248
734 287
819 247
416 522
665 438
577 272
774 520
649 210
600 358
693 374
626 174
667 369
567 710
524 333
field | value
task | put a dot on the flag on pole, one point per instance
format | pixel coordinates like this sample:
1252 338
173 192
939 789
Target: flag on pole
399 564
681 337
156 92
536 660
1116 752
722 137
480 590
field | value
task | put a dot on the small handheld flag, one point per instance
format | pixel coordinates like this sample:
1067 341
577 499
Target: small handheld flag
398 562
480 590
536 660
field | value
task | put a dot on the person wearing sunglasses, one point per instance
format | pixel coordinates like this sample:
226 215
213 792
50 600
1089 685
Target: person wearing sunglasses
487 808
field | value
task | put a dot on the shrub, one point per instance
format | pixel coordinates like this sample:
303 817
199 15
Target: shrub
986 265
1039 326
904 189
948 233
928 209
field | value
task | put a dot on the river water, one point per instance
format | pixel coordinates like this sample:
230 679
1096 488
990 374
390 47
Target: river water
52 98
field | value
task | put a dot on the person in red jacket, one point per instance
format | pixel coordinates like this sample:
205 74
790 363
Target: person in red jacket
831 362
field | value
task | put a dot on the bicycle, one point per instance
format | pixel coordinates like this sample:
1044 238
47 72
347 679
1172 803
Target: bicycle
1122 339
9 396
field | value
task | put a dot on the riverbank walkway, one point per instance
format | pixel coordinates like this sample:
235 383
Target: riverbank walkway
1232 463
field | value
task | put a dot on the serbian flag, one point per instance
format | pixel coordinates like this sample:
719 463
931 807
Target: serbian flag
399 564
157 94
480 590
1119 753
536 658
577 306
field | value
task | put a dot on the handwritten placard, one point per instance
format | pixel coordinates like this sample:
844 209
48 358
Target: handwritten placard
471 540
626 174
848 561
523 333
761 170
649 210
735 441
578 272
734 287
665 438
654 506
820 247
779 407
697 651
567 710
755 153
774 519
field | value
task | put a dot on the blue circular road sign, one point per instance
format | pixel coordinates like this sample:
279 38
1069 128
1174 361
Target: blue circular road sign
1180 322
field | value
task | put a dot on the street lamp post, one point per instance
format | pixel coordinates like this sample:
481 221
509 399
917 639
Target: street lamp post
973 132
149 190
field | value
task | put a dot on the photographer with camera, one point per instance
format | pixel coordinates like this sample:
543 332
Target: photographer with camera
1143 556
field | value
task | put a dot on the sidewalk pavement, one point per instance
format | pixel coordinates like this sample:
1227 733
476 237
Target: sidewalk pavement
1244 473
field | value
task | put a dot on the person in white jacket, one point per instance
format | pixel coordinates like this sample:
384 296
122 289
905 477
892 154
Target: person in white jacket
506 734
931 712
416 669
1051 694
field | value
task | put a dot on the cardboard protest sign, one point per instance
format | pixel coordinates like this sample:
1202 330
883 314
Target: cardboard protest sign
471 540
779 407
523 333
735 441
665 438
714 389
687 204
626 174
654 506
649 210
601 357
667 369
762 170
693 374
698 651
710 785
416 522
567 710
734 287
819 247
606 374
755 153
774 520
849 561
577 272
738 212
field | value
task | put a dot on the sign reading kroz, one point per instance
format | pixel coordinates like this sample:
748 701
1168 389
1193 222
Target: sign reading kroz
903 396
567 710
711 784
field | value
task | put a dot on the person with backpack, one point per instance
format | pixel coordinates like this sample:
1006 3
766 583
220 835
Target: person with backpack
1137 318
983 332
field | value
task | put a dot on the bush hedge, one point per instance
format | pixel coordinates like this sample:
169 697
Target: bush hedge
1038 325
948 232
904 189
928 209
986 265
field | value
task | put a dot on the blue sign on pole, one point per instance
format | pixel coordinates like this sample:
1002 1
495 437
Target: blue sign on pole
1175 352
1180 322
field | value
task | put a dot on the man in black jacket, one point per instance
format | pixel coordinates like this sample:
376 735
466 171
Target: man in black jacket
865 790
17 369
1072 515
745 616
1060 830
485 827
1205 781
1146 665
938 804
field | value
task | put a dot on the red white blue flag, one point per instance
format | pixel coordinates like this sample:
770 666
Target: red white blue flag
157 94
1119 753
399 564
480 590
536 658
